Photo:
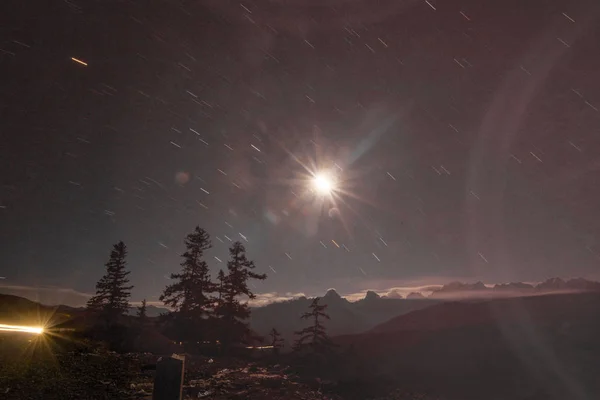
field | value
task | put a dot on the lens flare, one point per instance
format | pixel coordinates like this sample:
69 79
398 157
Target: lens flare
19 328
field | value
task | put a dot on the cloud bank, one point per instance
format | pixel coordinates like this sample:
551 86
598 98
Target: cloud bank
51 295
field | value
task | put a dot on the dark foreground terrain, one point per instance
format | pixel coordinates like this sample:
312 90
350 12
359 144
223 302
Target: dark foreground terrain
37 368
544 347
30 370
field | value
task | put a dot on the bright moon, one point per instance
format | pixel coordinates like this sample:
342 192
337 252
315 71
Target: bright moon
323 184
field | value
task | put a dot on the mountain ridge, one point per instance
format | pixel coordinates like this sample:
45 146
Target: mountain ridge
479 289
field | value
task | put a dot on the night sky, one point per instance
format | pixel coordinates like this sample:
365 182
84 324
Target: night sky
465 137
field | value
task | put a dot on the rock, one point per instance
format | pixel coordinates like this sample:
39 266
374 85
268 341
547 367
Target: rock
168 383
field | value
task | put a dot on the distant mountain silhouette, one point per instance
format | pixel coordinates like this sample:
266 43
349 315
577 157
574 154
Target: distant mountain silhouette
533 347
372 296
359 316
151 311
21 311
456 290
577 284
393 294
346 316
515 286
333 296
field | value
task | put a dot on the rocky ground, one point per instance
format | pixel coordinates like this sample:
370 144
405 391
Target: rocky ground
223 379
38 370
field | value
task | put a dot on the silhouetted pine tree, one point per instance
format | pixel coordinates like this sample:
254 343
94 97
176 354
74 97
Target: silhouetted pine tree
190 295
95 303
112 291
314 336
231 312
217 323
141 312
276 340
220 287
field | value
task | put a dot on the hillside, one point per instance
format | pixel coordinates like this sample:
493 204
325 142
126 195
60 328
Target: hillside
346 317
542 308
20 311
16 308
539 347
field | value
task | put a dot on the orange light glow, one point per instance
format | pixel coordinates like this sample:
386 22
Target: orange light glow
19 328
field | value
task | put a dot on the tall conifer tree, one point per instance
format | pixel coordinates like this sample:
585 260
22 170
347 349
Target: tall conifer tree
112 290
231 310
